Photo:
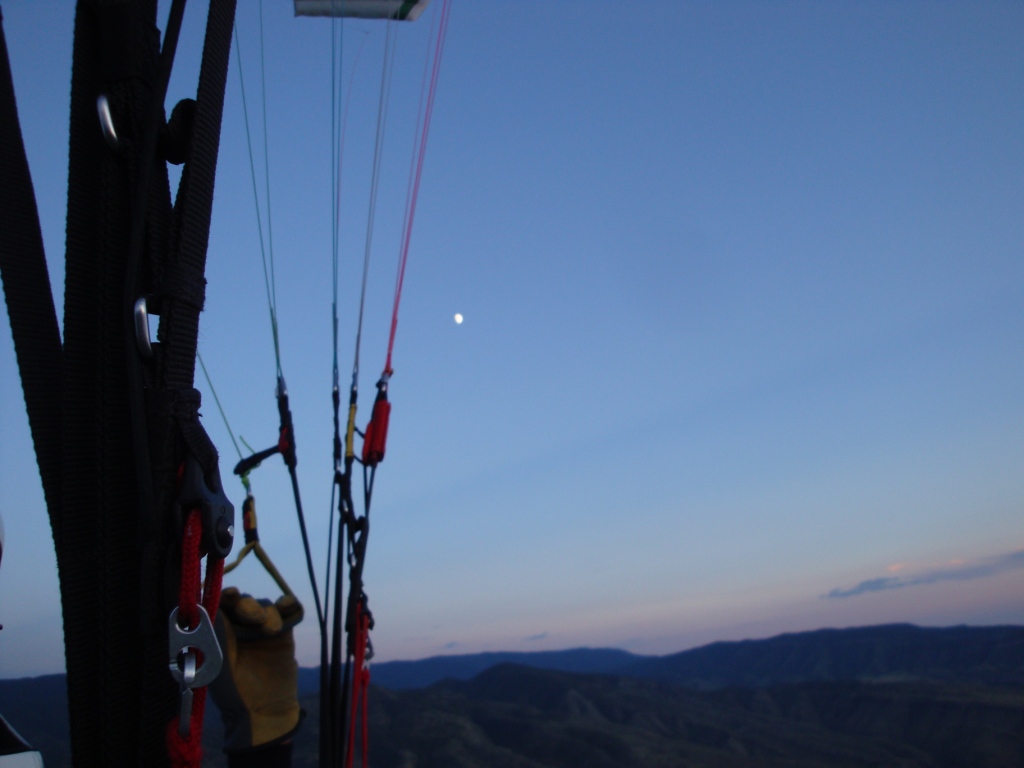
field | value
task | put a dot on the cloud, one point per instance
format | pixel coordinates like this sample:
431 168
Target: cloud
957 571
534 638
450 646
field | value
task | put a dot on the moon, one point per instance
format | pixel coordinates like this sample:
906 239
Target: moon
458 318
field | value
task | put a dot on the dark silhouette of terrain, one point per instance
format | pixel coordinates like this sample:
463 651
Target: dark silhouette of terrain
513 716
894 695
37 707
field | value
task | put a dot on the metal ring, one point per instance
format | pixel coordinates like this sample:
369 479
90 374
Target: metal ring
107 122
202 638
142 329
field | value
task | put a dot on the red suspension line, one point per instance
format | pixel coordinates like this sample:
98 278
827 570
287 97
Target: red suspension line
188 752
414 188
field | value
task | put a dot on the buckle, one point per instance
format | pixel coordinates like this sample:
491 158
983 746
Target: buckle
206 494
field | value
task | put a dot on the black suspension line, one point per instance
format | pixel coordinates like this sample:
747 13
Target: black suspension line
286 435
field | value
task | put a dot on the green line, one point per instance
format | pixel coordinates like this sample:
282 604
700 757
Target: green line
216 399
266 175
267 275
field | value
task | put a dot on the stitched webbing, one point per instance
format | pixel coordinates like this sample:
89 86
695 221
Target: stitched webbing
29 301
99 551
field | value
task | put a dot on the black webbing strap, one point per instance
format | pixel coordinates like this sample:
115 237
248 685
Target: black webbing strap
115 717
148 245
182 288
120 695
180 285
29 301
174 405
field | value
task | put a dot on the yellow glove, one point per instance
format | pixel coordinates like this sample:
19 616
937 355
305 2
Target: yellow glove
257 689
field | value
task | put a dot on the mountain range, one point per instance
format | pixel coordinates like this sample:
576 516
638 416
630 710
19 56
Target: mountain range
512 716
896 695
988 655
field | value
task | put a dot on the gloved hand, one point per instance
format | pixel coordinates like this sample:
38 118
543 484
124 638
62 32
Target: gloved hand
257 688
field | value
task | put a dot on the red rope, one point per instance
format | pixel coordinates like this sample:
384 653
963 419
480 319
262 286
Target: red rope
188 753
366 714
360 690
412 196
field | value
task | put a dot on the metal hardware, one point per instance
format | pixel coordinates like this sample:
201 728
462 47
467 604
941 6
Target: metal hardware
184 647
247 465
142 329
188 668
202 639
107 122
206 493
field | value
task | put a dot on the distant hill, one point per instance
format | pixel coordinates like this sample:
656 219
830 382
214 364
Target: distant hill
988 655
400 675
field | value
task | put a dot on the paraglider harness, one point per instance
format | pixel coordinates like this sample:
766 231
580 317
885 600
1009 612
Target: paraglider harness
129 475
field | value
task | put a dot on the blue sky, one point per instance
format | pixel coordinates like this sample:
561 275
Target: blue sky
743 289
